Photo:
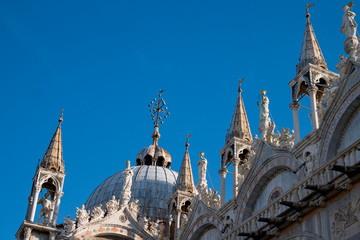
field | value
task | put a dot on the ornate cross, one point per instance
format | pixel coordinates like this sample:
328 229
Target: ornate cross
157 107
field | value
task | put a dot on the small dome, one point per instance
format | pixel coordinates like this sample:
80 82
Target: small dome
152 186
153 155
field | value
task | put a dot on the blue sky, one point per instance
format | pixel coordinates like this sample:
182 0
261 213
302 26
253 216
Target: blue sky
104 61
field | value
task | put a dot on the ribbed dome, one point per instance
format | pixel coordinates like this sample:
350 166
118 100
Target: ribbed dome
152 186
153 155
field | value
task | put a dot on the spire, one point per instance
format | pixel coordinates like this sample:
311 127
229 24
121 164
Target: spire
185 180
239 126
53 158
310 49
157 107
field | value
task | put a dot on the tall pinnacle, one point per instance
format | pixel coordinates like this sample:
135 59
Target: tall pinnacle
157 107
310 49
239 126
185 180
53 158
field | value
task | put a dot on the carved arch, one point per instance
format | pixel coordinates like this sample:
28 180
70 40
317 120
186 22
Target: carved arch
308 235
55 181
337 122
203 223
251 188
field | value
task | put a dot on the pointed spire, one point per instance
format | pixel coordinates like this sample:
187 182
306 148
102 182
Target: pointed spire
239 126
310 49
185 180
53 158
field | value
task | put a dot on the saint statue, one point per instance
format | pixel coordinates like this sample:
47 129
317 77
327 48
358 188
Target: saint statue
202 164
349 29
46 209
128 177
349 24
264 114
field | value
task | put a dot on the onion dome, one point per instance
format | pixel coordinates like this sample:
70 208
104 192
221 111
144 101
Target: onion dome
152 186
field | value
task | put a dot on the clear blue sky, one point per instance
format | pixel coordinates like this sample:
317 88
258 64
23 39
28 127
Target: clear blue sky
103 62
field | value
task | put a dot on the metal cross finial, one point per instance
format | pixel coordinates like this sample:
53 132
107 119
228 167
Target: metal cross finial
157 106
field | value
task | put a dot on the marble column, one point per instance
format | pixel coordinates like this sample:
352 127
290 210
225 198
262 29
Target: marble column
34 204
294 106
223 173
54 214
312 90
235 162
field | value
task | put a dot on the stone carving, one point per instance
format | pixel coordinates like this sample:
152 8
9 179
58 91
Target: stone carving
286 139
135 208
264 114
112 205
202 164
349 29
310 163
209 197
270 133
47 208
126 192
143 221
244 168
341 65
343 218
27 233
325 102
69 225
183 218
97 213
82 215
214 199
227 225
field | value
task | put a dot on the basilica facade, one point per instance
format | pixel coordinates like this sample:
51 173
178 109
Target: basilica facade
283 187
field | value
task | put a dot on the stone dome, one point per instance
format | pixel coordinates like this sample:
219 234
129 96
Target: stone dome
153 155
152 186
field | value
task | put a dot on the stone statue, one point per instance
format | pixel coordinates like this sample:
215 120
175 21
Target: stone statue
286 140
126 192
183 218
97 213
310 163
270 133
202 164
244 168
349 24
82 215
264 114
214 199
341 65
227 225
349 29
112 205
135 208
69 224
46 209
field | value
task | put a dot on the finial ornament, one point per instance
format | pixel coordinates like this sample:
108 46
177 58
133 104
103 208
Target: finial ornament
61 117
157 106
307 10
187 139
240 81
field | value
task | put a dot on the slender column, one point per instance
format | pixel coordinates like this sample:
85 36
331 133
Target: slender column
223 173
312 90
294 106
54 214
35 200
235 162
177 227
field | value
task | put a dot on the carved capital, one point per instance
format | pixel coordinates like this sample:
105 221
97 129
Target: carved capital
223 172
235 161
294 106
312 88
